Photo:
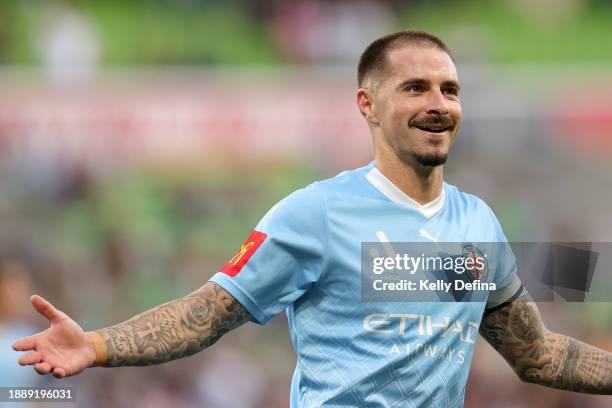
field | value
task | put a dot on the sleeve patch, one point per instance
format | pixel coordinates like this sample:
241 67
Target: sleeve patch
253 242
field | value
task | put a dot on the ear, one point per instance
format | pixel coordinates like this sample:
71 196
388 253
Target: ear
365 103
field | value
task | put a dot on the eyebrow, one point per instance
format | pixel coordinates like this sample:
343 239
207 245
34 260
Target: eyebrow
420 81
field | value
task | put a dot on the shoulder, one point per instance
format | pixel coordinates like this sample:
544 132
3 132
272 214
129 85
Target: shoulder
308 206
349 183
303 207
466 202
477 214
315 194
309 199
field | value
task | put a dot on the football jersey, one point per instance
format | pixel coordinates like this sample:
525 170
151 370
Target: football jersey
305 257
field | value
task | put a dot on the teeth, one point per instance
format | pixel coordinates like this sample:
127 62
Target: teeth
439 130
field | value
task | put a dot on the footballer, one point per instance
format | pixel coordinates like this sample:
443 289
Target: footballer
304 257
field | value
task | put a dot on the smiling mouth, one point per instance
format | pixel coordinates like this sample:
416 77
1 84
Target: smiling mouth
436 129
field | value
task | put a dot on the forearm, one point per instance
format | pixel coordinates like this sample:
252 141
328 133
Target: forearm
170 331
579 366
540 356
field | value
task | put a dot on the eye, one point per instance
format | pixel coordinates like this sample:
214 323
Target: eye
451 91
415 88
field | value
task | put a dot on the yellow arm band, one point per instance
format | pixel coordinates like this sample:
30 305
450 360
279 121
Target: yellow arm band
100 347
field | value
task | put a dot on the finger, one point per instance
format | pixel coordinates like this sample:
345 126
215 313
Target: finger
45 308
25 344
42 368
59 372
32 357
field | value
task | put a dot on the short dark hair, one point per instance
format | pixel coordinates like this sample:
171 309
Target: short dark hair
374 57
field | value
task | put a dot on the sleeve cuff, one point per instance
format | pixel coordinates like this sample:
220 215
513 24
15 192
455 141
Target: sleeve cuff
506 294
233 288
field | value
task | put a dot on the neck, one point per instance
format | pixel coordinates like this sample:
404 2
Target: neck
422 183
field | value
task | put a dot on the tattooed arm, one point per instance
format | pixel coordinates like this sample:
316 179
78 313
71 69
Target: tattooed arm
173 330
540 356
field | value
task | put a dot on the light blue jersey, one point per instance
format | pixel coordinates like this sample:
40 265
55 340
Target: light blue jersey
305 257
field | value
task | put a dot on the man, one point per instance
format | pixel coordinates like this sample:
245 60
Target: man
305 256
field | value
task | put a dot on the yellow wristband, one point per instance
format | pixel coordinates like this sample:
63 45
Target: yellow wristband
100 348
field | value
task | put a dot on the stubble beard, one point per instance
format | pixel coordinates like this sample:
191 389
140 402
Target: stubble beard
424 159
430 159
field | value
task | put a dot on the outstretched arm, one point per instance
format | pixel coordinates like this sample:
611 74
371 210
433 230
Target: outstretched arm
167 332
540 356
173 330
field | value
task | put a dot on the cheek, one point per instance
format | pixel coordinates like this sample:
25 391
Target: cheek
456 112
400 116
458 121
390 117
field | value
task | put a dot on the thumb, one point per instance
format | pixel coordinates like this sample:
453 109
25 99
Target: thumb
46 309
59 372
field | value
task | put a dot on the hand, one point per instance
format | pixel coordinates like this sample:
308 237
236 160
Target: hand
63 349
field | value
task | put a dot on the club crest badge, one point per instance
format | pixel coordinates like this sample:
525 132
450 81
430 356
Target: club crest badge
478 268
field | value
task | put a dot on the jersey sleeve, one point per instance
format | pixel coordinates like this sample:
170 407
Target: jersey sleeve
282 258
508 284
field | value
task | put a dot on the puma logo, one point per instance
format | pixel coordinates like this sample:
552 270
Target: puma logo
382 237
425 234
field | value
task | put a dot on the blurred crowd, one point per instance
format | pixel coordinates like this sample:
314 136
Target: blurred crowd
72 37
109 204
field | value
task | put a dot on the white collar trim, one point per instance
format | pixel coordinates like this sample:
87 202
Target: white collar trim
393 193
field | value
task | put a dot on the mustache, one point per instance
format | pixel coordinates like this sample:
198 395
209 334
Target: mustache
432 119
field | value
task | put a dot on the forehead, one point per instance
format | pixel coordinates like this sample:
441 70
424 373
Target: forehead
413 61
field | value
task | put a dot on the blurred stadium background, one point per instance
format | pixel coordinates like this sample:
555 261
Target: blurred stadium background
141 141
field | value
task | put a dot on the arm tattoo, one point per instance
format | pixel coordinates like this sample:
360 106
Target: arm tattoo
540 356
175 329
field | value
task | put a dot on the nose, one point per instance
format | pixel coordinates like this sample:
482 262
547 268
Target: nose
437 103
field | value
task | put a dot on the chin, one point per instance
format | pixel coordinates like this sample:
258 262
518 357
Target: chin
427 159
430 159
